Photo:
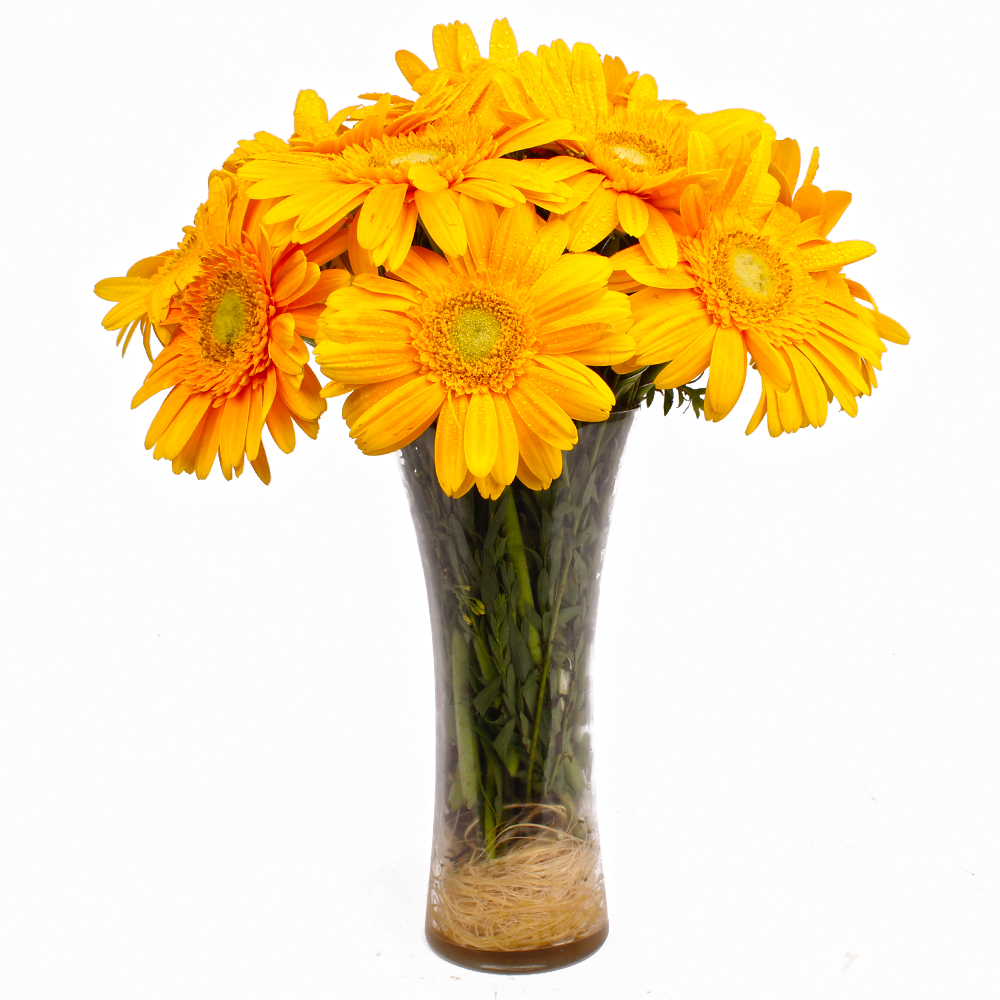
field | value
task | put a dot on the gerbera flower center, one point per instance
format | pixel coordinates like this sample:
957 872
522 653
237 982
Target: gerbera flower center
230 318
229 314
746 280
408 150
475 333
473 340
752 272
447 145
419 155
637 152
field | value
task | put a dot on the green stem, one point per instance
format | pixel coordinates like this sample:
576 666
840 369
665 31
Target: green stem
468 754
543 682
515 549
489 817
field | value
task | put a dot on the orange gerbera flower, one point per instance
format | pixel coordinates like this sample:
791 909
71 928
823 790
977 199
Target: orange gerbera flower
235 357
773 290
644 152
494 345
402 168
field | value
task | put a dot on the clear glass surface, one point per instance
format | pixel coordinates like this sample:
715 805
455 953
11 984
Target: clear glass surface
516 883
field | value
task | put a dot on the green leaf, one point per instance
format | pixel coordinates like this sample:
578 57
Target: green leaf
531 692
525 725
533 616
496 522
519 655
568 614
483 657
501 743
486 697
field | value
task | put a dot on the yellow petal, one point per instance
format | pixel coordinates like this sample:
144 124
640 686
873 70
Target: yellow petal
727 373
398 245
379 214
633 216
394 421
576 400
549 244
449 444
362 397
425 178
411 66
327 210
694 208
367 361
169 409
176 436
594 220
505 467
303 399
758 414
833 254
423 268
443 220
790 412
542 415
234 427
834 205
702 153
832 377
809 385
493 192
588 81
513 239
529 479
537 132
889 329
573 370
690 363
671 339
769 362
260 466
541 459
279 423
786 157
480 218
481 434
643 90
208 445
659 241
310 111
572 279
255 420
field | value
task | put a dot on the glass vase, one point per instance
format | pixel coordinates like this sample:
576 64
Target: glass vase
516 883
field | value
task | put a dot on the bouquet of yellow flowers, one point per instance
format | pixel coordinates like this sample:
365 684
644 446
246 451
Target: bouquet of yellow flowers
496 275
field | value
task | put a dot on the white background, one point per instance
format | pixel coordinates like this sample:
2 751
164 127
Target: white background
216 712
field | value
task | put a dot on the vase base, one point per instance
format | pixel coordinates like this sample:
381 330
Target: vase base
514 962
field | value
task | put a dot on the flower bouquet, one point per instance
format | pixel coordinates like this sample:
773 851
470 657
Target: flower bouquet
497 275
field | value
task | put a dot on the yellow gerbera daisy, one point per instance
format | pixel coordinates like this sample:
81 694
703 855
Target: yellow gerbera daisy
485 87
236 359
773 290
494 345
397 173
143 295
644 152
